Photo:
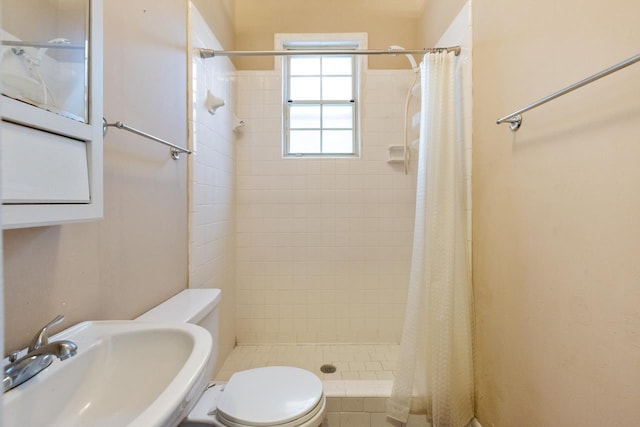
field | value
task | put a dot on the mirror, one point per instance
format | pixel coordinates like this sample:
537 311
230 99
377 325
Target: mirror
51 116
45 55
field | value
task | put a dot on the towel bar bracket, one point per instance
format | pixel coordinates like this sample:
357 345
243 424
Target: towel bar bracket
514 122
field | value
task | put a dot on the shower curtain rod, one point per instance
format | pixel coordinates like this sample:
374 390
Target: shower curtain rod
211 53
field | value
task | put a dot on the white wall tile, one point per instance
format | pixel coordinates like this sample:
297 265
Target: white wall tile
212 253
324 225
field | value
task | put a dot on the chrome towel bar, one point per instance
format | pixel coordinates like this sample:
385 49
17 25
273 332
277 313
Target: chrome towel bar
515 119
175 150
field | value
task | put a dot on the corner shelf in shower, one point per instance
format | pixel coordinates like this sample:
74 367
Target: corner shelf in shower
416 90
415 121
395 154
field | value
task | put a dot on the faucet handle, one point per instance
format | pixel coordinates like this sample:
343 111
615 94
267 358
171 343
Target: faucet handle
42 338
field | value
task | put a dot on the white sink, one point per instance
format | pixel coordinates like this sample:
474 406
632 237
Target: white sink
126 373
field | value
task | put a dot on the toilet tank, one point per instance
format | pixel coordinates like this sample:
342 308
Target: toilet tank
197 306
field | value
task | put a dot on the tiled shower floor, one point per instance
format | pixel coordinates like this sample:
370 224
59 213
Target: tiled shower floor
362 370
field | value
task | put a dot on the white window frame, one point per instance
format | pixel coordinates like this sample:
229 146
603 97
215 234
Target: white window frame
322 41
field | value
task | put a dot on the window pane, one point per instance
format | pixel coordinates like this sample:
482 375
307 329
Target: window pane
304 141
336 65
304 116
336 88
322 109
305 66
305 88
337 116
337 141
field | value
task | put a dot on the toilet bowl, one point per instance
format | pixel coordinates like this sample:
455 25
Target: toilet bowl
275 396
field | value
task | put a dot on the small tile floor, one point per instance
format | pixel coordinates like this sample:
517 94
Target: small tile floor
356 393
362 370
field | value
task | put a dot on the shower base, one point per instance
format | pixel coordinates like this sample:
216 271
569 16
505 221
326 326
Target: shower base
353 362
356 392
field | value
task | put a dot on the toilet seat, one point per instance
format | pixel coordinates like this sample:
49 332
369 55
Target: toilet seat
272 396
313 418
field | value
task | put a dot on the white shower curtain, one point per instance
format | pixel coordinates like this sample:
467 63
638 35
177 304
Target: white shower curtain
434 372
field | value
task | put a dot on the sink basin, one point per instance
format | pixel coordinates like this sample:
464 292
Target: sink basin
126 373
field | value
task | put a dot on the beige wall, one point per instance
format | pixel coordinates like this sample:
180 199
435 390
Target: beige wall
556 215
388 23
436 17
137 256
219 15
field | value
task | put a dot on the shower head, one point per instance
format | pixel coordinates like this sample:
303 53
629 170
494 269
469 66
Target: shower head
414 65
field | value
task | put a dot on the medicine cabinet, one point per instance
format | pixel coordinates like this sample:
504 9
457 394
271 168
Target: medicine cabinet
51 107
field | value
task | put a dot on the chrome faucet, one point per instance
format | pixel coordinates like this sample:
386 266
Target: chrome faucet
39 356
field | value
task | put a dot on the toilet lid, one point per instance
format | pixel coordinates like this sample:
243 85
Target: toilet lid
269 396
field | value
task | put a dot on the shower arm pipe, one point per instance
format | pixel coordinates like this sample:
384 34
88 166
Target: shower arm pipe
515 119
175 150
211 53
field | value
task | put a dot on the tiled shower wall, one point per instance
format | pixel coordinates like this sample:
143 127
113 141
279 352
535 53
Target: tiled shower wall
212 180
323 245
320 248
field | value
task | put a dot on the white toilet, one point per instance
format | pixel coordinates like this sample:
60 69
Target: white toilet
276 396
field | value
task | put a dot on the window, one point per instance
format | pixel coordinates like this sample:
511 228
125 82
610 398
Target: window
321 106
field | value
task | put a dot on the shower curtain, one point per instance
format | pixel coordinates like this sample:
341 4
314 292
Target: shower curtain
434 372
